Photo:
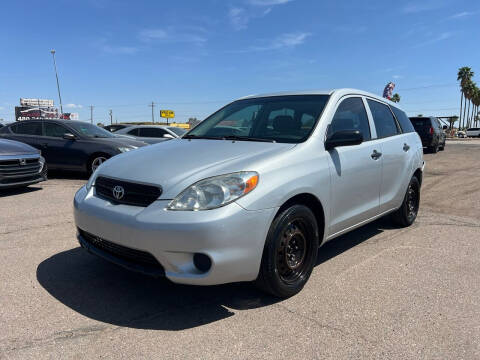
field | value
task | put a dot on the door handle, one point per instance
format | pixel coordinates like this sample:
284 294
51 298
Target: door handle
406 147
376 155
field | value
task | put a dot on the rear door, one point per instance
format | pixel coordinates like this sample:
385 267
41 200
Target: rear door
395 149
355 171
28 132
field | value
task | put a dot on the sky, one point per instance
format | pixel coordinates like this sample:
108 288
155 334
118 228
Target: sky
194 56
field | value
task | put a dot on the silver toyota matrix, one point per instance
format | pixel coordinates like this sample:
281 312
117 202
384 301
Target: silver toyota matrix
254 190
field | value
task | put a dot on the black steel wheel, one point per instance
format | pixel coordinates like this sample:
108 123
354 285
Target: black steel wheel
407 213
290 252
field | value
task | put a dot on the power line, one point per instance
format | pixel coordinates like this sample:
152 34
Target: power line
153 117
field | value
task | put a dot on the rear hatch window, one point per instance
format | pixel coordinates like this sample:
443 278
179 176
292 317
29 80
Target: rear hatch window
421 125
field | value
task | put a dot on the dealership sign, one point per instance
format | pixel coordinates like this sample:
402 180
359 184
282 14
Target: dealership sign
46 103
169 114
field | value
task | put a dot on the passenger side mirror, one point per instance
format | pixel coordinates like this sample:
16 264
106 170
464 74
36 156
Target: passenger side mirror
168 136
69 136
343 138
444 127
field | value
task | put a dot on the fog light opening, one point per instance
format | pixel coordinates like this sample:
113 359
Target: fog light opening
202 262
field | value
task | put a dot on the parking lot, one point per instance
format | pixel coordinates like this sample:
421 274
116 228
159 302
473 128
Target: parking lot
378 292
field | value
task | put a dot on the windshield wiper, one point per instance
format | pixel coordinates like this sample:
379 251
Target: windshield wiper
247 138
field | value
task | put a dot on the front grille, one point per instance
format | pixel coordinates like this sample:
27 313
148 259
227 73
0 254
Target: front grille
122 252
134 194
15 170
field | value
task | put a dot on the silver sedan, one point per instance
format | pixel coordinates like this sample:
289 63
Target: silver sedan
151 134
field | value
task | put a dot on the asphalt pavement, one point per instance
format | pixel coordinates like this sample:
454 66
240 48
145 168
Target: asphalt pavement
376 293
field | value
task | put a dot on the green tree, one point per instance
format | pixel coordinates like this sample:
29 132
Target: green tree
395 98
452 121
464 75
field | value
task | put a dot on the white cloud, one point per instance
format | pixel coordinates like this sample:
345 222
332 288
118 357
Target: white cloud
74 106
283 41
240 16
421 6
443 36
461 15
397 77
268 2
173 35
112 49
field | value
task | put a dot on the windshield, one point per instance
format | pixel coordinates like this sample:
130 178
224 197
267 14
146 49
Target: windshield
176 130
91 130
285 119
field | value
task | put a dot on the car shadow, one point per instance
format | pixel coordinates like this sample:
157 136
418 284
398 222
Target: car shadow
19 190
108 293
67 175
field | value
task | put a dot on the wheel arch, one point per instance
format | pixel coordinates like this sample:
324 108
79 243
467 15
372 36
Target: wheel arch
419 175
314 204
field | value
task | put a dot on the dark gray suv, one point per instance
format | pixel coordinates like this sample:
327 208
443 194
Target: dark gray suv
430 131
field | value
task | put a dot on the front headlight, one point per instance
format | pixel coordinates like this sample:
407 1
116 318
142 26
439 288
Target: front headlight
126 148
215 192
91 181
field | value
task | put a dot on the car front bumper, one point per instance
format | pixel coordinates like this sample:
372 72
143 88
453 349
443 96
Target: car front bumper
14 175
232 237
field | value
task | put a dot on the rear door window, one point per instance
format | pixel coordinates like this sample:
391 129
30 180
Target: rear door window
151 132
383 118
133 132
403 120
28 128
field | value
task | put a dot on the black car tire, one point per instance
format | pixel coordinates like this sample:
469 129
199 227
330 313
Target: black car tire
290 252
407 213
95 161
433 149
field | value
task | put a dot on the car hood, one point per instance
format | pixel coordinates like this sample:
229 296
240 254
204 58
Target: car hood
178 163
10 147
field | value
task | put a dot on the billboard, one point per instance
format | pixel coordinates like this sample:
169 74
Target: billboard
36 102
169 114
35 112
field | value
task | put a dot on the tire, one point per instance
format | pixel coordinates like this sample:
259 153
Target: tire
407 213
95 161
433 149
441 148
290 252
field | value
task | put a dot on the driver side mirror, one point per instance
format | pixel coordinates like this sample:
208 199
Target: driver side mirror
343 138
69 136
168 136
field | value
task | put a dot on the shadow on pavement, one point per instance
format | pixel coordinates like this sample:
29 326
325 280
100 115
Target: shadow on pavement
68 175
19 190
108 293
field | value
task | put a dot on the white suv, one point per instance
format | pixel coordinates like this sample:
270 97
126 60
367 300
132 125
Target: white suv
473 132
253 191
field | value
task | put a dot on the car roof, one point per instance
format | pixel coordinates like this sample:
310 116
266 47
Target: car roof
337 92
147 126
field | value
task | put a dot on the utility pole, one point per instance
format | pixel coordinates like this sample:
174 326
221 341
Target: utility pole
111 118
152 105
91 114
56 75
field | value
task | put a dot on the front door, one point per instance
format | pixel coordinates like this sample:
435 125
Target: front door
355 171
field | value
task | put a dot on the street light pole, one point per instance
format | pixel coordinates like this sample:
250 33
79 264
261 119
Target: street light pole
56 75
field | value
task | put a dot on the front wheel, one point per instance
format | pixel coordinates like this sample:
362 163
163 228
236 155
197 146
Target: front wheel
407 213
95 162
290 252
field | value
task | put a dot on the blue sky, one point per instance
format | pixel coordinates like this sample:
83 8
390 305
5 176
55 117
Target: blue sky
193 56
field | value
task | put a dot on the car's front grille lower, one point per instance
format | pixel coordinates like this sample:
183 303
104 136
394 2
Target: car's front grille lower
129 255
19 170
131 193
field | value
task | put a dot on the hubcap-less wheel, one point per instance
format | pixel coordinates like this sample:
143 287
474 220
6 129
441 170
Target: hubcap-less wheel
97 162
292 252
412 202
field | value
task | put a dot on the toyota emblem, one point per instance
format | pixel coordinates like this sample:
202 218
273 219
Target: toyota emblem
118 192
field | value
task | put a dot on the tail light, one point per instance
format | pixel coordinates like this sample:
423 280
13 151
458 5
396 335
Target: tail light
431 130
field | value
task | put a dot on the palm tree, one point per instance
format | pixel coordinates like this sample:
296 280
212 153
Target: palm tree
464 75
395 98
468 90
476 104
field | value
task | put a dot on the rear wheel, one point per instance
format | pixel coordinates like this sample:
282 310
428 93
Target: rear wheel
290 252
407 213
